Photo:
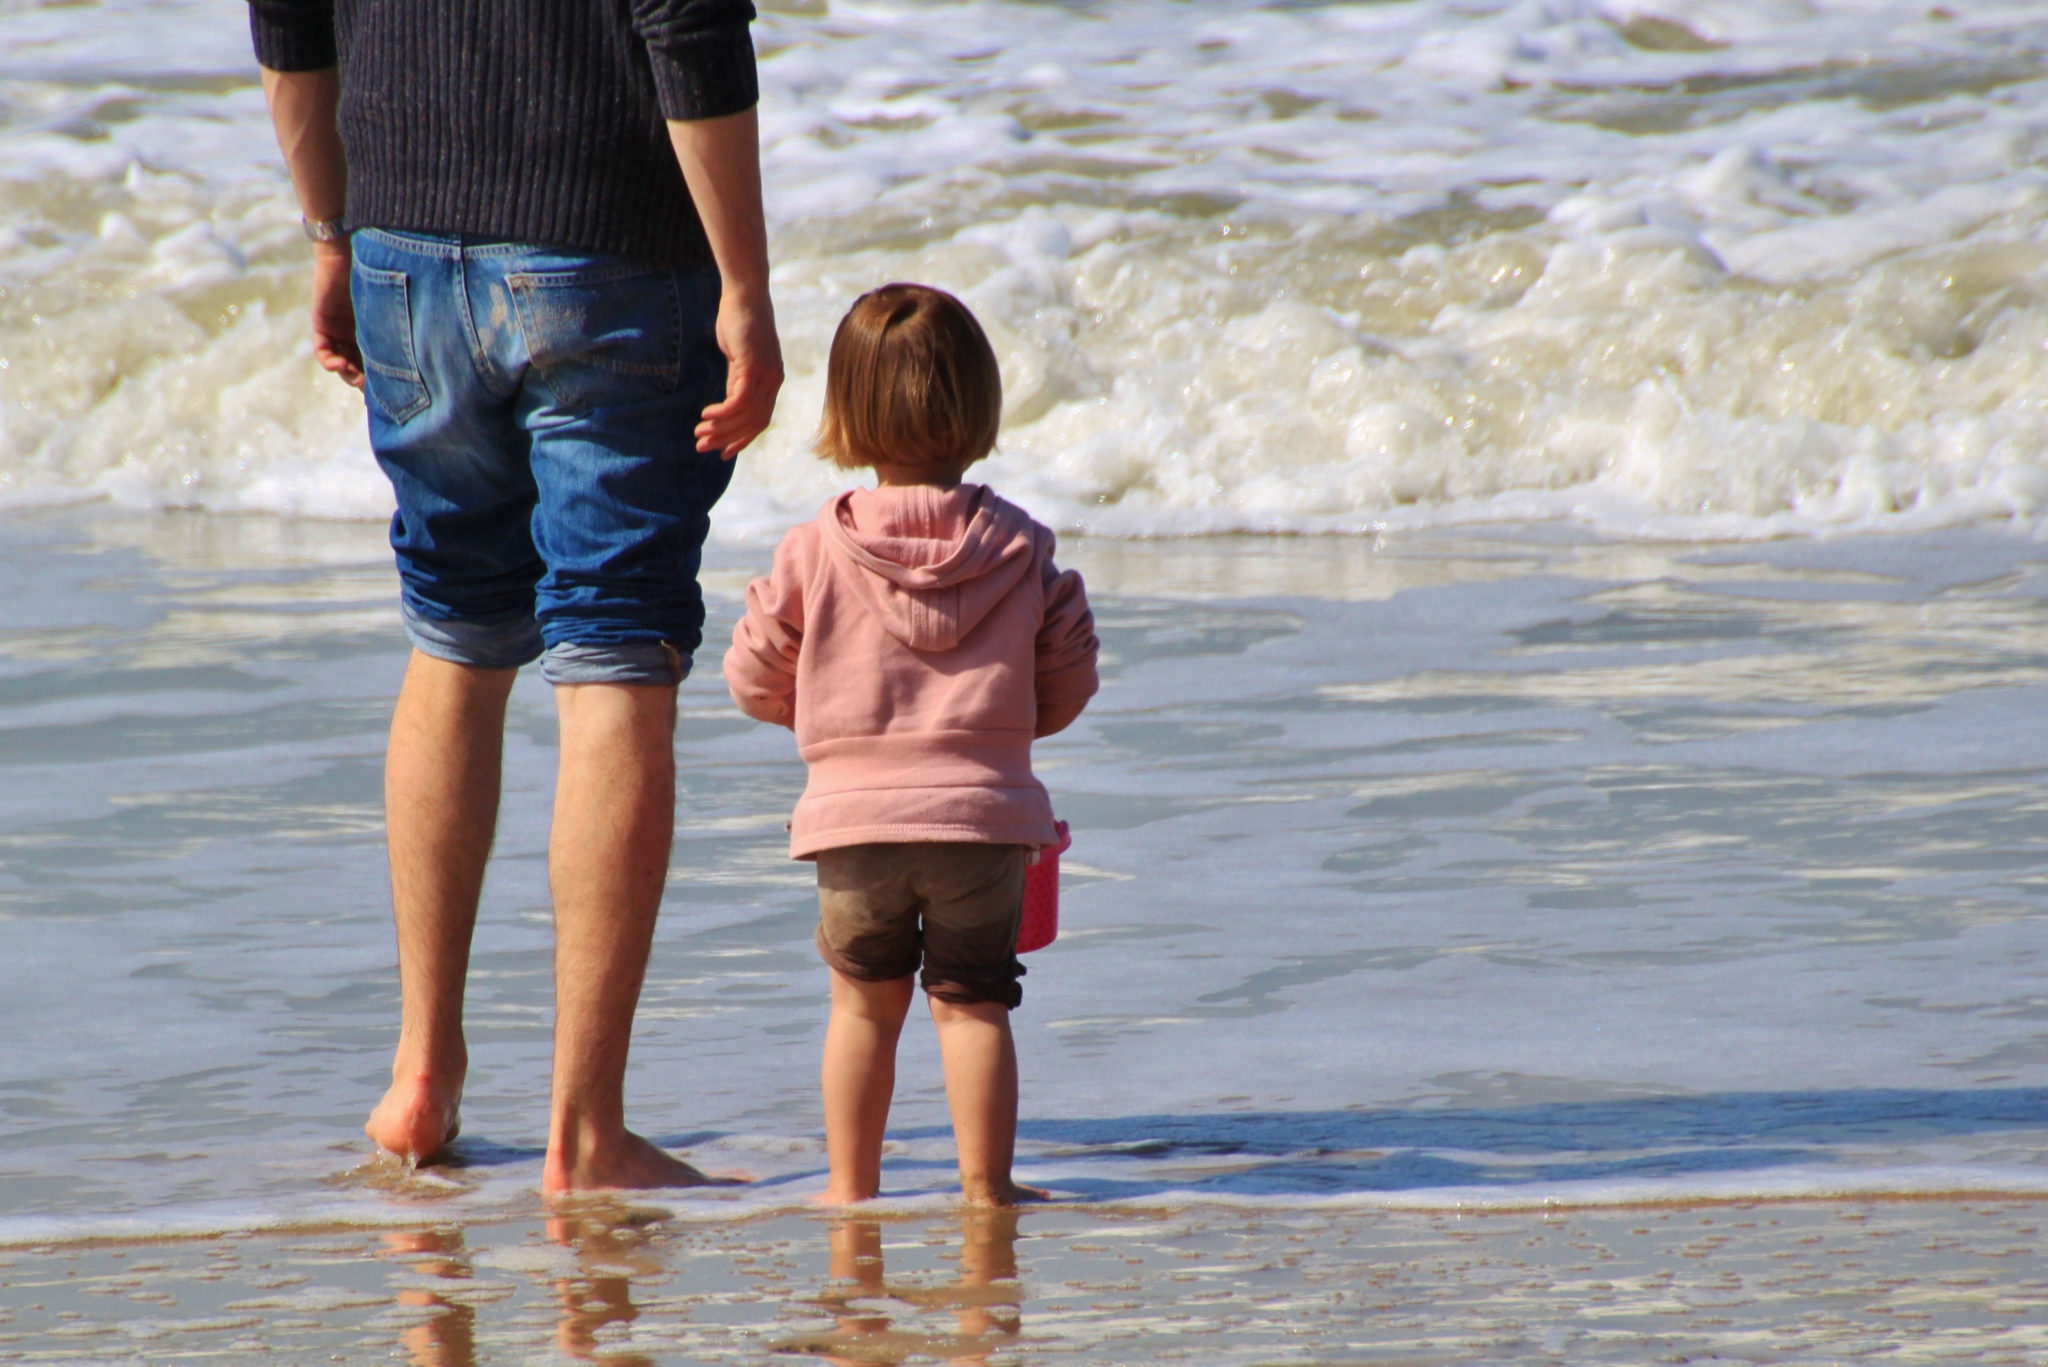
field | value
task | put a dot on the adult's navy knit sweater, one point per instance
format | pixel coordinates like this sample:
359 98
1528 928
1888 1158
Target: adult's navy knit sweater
530 120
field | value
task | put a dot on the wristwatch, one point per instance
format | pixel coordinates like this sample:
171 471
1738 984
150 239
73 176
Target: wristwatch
324 229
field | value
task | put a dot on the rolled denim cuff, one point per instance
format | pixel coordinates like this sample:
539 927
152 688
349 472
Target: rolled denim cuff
502 643
626 662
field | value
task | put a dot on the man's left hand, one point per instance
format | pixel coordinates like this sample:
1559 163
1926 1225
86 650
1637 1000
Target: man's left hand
753 354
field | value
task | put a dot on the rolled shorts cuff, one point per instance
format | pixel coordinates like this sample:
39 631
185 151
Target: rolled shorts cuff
497 643
866 970
623 662
964 988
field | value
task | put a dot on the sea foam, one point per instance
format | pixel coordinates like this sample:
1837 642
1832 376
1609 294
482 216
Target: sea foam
1743 268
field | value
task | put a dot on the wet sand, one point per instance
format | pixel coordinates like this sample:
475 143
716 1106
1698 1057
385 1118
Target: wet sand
625 1283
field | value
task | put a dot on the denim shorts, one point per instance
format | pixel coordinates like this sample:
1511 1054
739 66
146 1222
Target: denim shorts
535 409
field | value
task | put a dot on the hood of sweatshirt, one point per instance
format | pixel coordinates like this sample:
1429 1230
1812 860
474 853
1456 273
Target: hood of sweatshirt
929 563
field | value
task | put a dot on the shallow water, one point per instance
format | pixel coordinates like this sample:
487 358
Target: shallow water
1454 869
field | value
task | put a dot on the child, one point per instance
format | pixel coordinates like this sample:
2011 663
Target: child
916 637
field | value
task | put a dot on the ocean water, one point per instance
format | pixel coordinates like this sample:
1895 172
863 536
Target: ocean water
1725 268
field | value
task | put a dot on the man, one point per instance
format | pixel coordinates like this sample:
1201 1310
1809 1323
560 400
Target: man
538 248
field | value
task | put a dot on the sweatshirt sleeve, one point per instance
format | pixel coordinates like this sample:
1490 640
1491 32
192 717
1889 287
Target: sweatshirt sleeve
1066 646
760 669
293 35
702 55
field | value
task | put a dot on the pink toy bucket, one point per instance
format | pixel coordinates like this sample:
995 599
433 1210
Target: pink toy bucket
1041 925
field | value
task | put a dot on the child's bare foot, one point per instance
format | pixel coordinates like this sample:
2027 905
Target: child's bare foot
1003 1195
418 1118
843 1196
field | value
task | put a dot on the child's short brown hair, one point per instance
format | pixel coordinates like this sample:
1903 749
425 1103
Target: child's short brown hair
912 381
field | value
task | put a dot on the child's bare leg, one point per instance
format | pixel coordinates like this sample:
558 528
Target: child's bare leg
859 1080
981 1091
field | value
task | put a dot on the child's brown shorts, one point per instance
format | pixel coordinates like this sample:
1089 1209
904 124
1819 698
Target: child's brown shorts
954 906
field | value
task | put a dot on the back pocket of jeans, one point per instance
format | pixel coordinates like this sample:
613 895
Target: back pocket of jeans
391 371
602 334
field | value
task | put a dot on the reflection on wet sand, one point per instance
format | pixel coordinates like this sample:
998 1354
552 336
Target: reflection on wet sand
448 1337
597 1302
983 1300
603 1251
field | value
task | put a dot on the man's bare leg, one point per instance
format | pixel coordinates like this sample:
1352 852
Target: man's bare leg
859 1077
441 777
607 859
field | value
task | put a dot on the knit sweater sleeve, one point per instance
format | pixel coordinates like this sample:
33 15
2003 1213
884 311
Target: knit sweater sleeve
293 35
760 669
1066 645
702 55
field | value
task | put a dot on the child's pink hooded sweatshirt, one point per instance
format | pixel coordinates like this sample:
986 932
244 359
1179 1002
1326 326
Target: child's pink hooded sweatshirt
913 637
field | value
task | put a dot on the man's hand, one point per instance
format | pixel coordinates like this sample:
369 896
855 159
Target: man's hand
302 111
334 313
753 354
721 163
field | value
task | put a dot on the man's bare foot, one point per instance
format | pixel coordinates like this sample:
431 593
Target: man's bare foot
417 1119
1004 1195
629 1163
